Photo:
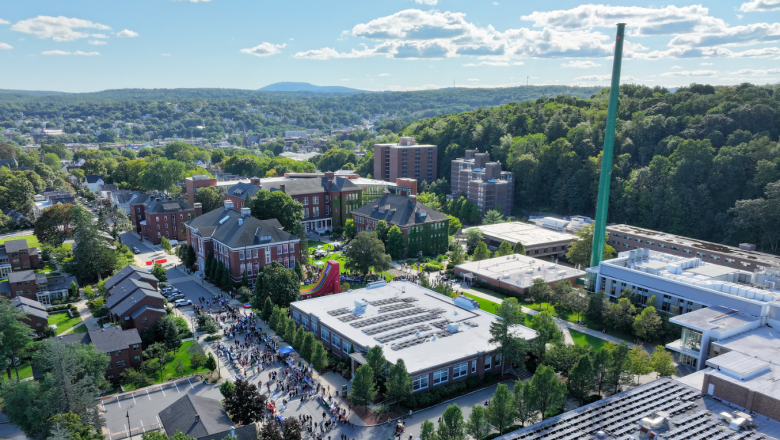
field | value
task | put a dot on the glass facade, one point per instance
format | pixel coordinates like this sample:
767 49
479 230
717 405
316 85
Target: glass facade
691 339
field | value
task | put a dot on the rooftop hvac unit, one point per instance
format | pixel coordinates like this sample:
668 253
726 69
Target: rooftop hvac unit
453 327
226 218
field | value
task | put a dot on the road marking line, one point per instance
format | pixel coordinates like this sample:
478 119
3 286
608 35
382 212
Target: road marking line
163 391
193 386
104 406
118 402
134 402
177 387
128 431
109 432
147 394
142 426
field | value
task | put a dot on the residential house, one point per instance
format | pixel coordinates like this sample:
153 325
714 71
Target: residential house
202 419
16 255
94 181
122 346
424 229
134 301
241 242
37 316
37 286
9 163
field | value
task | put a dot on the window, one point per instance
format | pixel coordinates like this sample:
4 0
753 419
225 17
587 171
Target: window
441 376
305 323
498 359
254 253
279 249
488 361
420 382
474 366
460 370
109 366
118 353
144 319
120 363
137 358
241 255
325 334
335 340
315 200
314 327
292 247
296 316
136 346
345 347
267 255
305 201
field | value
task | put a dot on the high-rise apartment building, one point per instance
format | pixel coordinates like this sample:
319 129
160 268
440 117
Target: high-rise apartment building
483 182
405 159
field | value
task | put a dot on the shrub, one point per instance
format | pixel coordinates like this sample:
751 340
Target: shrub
433 267
473 381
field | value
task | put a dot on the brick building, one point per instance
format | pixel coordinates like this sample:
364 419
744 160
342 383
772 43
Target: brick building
155 217
241 242
405 159
483 182
441 339
239 192
134 300
17 255
122 346
327 201
37 317
37 286
192 184
626 237
424 228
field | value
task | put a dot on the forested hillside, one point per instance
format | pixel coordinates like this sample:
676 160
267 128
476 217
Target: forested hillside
683 161
309 110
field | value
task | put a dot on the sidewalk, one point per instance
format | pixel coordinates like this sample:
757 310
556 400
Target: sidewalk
562 323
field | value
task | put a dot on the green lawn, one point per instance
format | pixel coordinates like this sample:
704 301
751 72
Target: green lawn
484 304
80 329
583 339
183 355
63 322
32 241
25 371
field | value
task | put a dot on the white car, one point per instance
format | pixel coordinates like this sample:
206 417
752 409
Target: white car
182 303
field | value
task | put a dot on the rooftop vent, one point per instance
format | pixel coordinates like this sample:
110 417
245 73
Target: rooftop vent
227 217
228 205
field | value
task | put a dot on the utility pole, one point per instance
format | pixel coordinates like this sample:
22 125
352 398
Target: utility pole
597 251
128 424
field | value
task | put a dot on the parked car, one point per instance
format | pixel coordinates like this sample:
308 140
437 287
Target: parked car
136 250
176 296
182 303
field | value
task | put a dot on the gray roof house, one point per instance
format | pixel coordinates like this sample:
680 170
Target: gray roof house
203 419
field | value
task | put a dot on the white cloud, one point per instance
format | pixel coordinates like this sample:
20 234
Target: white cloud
643 21
699 52
580 64
96 42
494 63
64 52
707 64
760 5
5 46
732 36
427 2
473 79
495 3
758 72
4 21
602 78
127 33
165 54
676 67
57 28
384 74
264 49
687 73
99 36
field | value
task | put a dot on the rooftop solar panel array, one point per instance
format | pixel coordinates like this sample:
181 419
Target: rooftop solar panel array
418 340
388 317
394 307
340 311
400 323
348 318
401 333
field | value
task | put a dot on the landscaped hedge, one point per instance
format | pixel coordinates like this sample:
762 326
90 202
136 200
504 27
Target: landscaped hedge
437 395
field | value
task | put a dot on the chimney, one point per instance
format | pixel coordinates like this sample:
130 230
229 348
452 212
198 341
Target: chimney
197 418
228 205
254 181
240 221
329 174
198 209
246 212
282 188
413 199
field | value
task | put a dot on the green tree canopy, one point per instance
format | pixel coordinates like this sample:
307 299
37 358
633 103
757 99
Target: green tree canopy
365 252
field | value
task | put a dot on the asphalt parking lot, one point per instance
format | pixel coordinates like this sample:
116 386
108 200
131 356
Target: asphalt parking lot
142 406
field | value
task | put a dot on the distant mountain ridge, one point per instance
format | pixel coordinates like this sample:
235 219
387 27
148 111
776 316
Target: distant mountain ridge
307 87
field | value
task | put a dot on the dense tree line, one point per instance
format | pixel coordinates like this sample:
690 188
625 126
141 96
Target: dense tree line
682 160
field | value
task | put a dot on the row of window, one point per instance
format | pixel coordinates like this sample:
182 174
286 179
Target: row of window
674 248
461 370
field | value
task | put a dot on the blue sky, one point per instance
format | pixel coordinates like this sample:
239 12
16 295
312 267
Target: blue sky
83 45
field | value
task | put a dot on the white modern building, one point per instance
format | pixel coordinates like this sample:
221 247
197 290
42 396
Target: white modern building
538 241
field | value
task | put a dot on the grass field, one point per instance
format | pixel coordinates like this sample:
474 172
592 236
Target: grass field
583 339
80 329
63 322
25 371
32 241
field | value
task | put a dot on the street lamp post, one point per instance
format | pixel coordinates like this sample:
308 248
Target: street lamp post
128 424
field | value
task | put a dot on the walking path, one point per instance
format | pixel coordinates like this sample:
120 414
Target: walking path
563 324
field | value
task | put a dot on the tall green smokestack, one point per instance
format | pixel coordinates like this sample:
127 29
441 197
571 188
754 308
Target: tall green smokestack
602 207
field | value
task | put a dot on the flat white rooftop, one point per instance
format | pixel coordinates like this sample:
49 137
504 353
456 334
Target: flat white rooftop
762 343
702 274
520 270
409 322
526 233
